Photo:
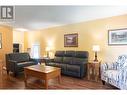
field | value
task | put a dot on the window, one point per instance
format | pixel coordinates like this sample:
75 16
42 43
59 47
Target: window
36 50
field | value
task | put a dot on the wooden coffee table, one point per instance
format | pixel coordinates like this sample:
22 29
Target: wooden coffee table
42 72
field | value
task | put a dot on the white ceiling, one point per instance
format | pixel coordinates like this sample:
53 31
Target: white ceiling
39 17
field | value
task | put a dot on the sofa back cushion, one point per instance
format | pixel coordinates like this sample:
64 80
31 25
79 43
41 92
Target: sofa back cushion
59 53
81 57
59 56
121 62
69 54
67 60
68 57
19 57
82 54
58 59
77 61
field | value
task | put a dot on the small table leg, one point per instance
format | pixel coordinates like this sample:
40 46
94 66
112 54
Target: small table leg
46 84
88 73
96 78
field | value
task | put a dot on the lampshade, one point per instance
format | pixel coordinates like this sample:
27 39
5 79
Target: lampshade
96 48
48 49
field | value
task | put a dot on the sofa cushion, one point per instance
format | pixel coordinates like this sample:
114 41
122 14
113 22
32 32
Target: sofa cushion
58 59
78 61
59 53
81 54
69 54
24 64
73 68
67 60
62 66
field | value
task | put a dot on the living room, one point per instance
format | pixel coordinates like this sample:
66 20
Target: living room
89 32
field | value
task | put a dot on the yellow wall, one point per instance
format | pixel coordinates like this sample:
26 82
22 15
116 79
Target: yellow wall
89 33
25 41
18 37
7 39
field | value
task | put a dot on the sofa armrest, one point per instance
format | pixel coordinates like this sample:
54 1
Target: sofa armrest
83 69
49 60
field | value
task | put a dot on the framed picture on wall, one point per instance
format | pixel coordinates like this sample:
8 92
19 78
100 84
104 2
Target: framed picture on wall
71 40
0 40
117 37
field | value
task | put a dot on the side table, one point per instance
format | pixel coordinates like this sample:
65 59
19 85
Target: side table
93 70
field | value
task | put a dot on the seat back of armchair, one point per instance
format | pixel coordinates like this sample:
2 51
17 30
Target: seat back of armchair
121 61
19 57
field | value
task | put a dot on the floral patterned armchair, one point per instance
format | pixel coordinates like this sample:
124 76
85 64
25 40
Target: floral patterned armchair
115 73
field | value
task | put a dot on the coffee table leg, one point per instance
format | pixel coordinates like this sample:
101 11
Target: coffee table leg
59 78
25 80
46 84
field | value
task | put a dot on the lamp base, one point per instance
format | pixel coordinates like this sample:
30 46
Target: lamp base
47 54
95 57
95 60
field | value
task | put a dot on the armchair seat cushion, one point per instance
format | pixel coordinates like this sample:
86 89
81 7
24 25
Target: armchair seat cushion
112 74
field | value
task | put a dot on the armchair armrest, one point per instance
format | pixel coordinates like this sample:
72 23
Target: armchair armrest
12 61
123 77
35 60
12 64
32 59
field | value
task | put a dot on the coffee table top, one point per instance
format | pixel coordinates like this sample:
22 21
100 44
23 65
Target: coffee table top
42 68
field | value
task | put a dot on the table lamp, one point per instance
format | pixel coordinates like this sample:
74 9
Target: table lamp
96 48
